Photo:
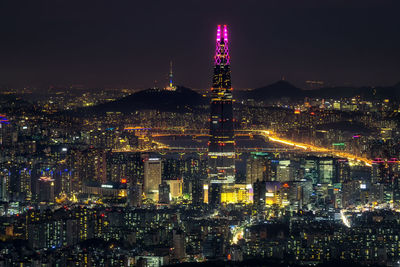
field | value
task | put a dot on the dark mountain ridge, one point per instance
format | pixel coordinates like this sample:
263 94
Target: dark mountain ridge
181 100
284 89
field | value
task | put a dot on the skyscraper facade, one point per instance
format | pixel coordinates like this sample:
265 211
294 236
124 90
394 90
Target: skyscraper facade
221 151
152 177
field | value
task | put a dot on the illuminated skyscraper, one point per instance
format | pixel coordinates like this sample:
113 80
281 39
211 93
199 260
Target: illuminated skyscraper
152 177
221 151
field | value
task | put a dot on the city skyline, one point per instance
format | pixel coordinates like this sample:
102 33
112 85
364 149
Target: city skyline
280 175
335 42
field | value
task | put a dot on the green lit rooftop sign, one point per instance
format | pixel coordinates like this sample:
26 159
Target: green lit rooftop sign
260 153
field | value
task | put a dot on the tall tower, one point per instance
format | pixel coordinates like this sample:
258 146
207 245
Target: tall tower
171 86
221 150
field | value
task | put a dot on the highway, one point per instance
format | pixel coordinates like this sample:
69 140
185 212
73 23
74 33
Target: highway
274 138
292 146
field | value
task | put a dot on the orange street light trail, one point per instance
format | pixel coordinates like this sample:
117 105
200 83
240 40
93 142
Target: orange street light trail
272 137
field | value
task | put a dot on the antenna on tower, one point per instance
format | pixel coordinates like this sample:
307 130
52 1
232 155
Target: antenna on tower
171 86
155 87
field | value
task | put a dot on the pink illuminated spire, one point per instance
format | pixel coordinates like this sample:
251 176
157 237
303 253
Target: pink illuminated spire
222 51
219 33
225 34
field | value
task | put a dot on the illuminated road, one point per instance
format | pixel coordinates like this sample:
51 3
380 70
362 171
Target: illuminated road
344 219
273 138
269 134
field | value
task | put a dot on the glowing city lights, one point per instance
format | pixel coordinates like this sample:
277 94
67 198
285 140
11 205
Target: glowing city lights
313 148
344 219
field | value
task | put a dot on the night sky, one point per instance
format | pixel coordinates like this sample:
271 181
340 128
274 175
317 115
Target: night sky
119 43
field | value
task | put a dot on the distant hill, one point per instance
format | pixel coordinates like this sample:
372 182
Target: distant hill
347 126
14 104
187 100
379 92
276 90
181 100
284 89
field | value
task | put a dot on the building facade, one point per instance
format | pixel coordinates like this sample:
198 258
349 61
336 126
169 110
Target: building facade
221 151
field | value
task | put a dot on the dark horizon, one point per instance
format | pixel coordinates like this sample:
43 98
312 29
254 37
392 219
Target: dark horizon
125 44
